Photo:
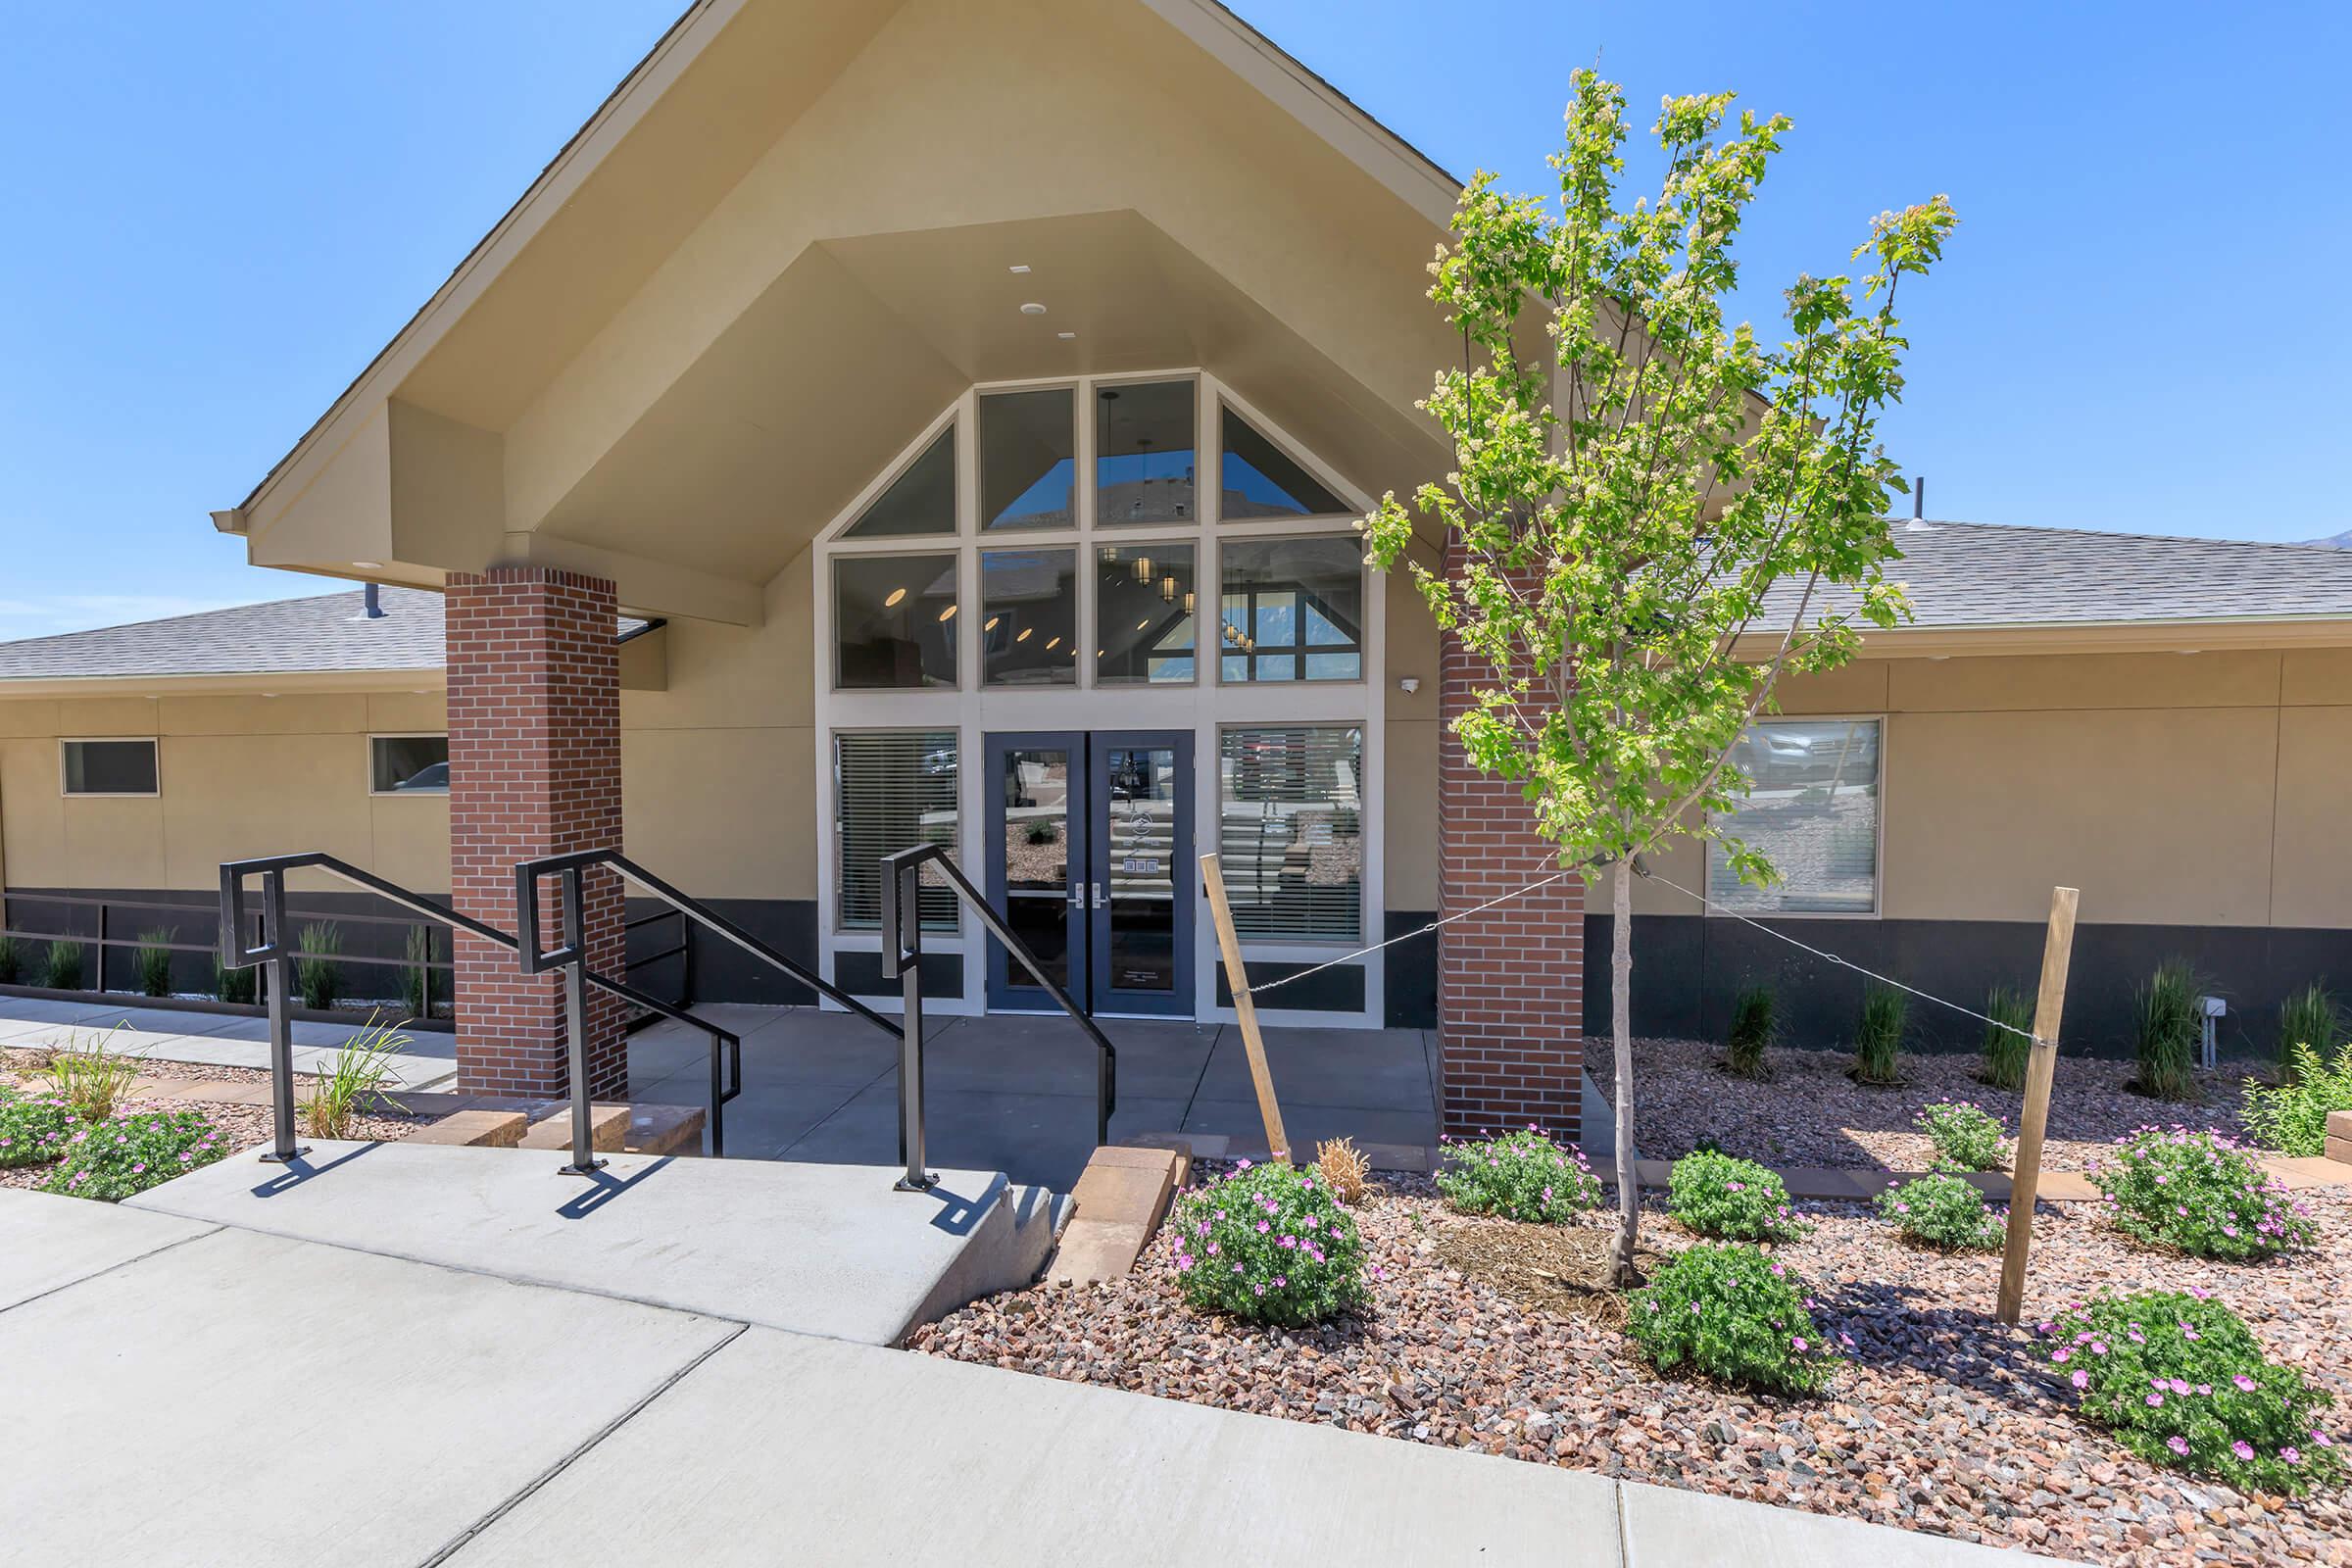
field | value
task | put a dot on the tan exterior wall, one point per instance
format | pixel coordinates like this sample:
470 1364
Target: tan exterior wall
238 776
2173 789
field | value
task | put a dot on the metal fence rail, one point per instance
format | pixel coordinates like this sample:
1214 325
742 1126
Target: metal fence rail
273 949
903 961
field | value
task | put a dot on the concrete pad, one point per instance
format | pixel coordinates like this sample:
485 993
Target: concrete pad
827 1249
1310 1124
46 1241
1374 1069
785 1450
1045 1139
248 1400
1665 1526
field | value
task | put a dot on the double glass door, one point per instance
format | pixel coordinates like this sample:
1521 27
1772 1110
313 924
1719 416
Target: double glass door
1090 860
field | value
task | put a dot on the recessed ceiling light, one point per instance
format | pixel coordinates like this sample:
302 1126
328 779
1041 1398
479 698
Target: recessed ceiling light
1020 269
1052 643
1024 635
1033 309
991 624
369 566
1065 336
947 613
896 594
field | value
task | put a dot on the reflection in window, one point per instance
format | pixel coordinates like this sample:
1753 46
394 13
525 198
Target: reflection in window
894 621
1260 480
1028 459
1145 613
1144 453
1292 609
1290 840
1812 809
921 500
408 764
1030 601
892 789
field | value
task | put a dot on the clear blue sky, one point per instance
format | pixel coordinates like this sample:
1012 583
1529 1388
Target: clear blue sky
216 214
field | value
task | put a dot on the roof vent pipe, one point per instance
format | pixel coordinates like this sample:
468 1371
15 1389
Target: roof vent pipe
373 603
1919 499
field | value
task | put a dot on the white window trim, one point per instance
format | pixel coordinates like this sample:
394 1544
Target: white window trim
1878 887
153 745
1203 706
374 794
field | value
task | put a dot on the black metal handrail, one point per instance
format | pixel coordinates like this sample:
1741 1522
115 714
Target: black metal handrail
903 961
273 949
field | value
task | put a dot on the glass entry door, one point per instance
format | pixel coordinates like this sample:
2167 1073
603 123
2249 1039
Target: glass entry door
1090 863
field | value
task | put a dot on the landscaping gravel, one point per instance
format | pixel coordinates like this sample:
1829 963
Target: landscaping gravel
1943 1420
244 1126
1811 1113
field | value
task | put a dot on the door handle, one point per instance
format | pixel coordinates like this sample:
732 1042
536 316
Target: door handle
1100 903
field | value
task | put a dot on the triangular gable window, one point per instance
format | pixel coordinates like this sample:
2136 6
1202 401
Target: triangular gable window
1261 480
922 499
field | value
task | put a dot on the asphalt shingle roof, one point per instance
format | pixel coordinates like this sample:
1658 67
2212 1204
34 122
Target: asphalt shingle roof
287 636
1960 576
1978 574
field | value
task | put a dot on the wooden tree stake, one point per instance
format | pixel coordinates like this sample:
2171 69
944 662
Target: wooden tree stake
2026 1176
1245 1009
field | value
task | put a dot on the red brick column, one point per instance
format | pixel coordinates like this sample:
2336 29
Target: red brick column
534 768
1510 981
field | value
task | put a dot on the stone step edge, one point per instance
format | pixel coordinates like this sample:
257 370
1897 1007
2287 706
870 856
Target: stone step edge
491 1121
1117 1205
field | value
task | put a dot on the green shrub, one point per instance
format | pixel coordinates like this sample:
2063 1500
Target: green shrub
418 948
319 978
64 966
2312 1017
2201 1193
34 1128
1752 1028
2006 1048
1941 1211
1879 1036
1269 1242
236 985
90 1075
2180 1381
115 1160
2293 1118
1737 1199
12 959
1732 1314
1522 1176
155 961
2168 1030
1041 831
1967 1136
353 1083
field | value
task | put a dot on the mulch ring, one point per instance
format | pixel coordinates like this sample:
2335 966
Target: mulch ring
1550 1267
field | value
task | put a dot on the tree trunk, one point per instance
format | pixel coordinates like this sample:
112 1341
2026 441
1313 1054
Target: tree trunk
1621 978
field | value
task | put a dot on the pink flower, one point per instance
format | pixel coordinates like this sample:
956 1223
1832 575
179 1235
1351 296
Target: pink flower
2082 1379
2245 1383
2291 1454
2155 1401
1796 1342
2060 1355
1263 1227
2243 1450
2178 1444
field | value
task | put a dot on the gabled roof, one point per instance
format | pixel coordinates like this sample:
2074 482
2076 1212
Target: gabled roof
329 633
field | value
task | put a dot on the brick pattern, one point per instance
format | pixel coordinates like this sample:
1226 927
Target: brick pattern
1510 981
534 765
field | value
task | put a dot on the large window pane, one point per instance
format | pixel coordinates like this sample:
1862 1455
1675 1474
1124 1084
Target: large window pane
922 499
1028 459
1144 604
1261 480
408 764
893 791
110 768
1812 810
1144 453
1292 608
1290 832
1030 599
894 621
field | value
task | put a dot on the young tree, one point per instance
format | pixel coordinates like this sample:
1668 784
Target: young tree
1651 515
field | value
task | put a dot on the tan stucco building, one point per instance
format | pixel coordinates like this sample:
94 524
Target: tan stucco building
962 411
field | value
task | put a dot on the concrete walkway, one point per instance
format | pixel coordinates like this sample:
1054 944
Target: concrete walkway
207 1393
212 1039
